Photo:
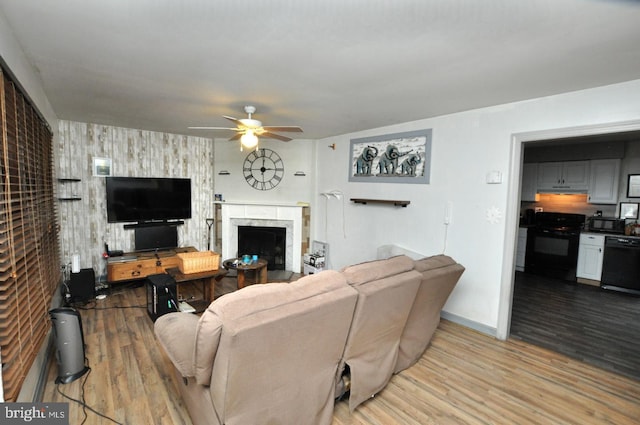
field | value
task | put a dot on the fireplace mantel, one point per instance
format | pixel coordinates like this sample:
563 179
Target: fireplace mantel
268 204
287 215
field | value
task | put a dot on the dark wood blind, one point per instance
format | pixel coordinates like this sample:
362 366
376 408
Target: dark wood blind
29 251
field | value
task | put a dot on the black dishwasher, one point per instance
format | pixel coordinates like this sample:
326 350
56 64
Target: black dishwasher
621 264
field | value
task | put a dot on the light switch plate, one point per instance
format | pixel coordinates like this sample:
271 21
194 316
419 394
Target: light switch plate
494 177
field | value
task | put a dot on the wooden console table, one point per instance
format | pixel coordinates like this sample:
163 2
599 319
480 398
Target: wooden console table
139 265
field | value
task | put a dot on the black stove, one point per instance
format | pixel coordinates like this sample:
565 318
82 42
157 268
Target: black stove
552 245
562 222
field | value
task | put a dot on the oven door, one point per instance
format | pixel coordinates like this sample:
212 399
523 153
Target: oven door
552 253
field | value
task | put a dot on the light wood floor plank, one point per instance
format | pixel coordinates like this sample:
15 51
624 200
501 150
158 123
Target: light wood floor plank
465 377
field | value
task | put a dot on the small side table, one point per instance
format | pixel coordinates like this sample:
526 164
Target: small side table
260 269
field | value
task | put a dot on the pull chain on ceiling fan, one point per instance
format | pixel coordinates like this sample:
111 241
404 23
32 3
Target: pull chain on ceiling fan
248 129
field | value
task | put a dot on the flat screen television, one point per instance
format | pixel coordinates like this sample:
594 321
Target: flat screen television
147 199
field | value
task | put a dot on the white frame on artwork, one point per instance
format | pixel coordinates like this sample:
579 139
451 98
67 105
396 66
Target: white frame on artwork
392 158
629 210
101 167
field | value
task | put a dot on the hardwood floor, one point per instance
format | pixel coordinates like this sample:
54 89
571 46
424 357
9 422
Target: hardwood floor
465 377
584 322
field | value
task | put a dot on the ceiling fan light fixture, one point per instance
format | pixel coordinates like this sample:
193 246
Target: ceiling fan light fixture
249 139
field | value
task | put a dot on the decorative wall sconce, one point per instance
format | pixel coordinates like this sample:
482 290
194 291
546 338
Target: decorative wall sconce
224 173
299 174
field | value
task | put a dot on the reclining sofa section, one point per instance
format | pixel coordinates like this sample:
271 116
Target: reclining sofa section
386 291
277 353
266 354
440 274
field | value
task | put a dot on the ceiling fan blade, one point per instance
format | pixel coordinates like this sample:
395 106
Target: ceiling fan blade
234 120
291 128
213 128
269 135
236 137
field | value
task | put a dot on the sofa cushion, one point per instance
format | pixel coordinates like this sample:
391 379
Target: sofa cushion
176 333
378 269
205 346
440 274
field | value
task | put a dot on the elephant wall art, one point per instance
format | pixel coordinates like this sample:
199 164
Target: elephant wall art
393 158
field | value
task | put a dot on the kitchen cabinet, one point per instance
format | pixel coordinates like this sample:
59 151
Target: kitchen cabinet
603 181
521 248
590 256
529 182
563 177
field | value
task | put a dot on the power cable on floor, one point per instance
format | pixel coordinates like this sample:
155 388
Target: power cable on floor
83 403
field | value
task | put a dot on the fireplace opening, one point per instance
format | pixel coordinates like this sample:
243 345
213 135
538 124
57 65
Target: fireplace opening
268 243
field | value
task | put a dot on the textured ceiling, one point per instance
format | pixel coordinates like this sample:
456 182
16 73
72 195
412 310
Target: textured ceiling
331 66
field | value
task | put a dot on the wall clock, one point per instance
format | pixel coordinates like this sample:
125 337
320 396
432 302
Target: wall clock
263 169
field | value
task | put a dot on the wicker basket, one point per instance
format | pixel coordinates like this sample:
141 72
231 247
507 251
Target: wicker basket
196 262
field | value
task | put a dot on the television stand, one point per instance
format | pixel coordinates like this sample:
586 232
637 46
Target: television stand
143 264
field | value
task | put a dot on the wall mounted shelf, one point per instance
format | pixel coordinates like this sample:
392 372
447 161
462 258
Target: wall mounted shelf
69 198
365 201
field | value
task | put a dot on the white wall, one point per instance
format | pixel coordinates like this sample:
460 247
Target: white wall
297 155
466 146
12 55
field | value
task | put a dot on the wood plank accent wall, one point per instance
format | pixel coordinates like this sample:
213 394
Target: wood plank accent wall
134 153
29 271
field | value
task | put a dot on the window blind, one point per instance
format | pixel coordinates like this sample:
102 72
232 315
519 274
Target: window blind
29 251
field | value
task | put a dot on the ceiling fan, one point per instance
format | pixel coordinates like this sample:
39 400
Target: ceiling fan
248 129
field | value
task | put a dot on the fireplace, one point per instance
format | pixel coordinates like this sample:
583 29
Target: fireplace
268 243
237 214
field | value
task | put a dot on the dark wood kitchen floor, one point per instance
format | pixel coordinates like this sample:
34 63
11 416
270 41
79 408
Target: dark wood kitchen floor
584 322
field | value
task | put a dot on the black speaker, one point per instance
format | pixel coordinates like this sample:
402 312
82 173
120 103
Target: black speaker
161 295
69 340
82 286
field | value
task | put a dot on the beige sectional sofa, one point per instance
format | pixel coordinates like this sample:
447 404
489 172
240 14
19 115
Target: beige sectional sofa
282 353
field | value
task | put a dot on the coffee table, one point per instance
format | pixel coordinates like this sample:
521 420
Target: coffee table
208 279
259 268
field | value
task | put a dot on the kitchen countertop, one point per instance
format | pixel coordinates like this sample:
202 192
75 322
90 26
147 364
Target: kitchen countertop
618 235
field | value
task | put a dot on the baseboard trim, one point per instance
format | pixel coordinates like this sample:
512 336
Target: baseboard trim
469 323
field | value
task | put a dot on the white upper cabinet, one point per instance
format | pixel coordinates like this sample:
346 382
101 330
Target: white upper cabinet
529 182
563 177
604 181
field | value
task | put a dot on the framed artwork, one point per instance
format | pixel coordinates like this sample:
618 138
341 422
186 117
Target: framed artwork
102 167
393 158
628 210
633 186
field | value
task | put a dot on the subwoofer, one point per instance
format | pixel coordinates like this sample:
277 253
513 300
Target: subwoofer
69 344
82 286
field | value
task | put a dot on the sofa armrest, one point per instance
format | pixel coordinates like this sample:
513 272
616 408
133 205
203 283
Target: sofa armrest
177 335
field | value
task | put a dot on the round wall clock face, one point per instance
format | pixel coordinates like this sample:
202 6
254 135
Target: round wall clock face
263 169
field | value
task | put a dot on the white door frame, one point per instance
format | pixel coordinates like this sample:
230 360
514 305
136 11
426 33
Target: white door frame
513 203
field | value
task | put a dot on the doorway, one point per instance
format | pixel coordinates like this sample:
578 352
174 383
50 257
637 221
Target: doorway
628 131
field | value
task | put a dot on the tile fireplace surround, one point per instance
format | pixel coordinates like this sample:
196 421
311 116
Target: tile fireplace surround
289 216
